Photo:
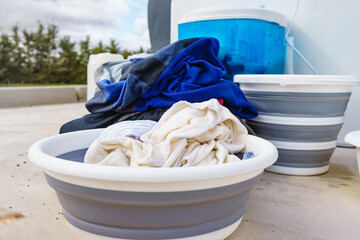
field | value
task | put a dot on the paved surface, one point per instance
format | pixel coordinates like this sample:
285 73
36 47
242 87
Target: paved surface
279 207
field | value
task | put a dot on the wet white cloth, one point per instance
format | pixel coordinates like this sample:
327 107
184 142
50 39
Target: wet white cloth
103 149
188 134
133 129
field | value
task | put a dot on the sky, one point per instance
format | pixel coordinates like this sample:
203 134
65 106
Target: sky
122 20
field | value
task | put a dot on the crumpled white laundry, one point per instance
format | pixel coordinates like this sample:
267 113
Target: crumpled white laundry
121 131
188 134
133 129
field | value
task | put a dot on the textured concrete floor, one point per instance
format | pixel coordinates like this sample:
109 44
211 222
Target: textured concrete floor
279 207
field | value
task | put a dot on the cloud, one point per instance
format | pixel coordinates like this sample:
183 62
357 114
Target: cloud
122 20
140 35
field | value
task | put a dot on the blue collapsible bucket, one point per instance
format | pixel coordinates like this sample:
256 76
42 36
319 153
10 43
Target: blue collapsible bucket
252 40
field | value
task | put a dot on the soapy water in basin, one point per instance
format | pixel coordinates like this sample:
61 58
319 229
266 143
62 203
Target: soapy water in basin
74 156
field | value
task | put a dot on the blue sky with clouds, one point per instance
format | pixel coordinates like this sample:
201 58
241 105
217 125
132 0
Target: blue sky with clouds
123 20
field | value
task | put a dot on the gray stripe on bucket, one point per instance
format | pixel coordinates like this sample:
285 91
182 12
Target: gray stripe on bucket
297 104
145 233
294 132
154 215
304 158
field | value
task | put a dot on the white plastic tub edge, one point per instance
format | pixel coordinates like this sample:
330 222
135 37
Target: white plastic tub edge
297 83
354 139
219 234
232 12
298 171
43 152
302 121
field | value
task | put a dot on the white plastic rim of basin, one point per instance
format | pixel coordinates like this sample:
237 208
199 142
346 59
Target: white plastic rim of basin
298 121
218 234
297 83
298 171
232 12
43 153
303 145
354 139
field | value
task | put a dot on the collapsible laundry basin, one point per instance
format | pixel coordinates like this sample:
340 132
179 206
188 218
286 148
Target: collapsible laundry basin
301 115
252 40
354 139
204 202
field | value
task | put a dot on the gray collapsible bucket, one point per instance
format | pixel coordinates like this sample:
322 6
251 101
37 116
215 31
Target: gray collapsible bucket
204 202
301 115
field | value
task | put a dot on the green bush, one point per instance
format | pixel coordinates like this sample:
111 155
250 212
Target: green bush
41 57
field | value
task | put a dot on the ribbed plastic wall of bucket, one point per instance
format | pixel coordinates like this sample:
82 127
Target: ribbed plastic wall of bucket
301 115
204 202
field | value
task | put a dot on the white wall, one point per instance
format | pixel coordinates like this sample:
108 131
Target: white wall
326 32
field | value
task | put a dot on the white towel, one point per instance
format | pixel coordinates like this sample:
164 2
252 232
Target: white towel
188 134
133 129
106 148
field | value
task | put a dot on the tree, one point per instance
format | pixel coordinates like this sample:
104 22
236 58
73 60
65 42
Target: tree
41 57
126 53
5 59
68 62
84 55
113 48
39 50
98 49
16 65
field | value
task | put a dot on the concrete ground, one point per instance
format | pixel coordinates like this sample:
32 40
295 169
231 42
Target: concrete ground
280 207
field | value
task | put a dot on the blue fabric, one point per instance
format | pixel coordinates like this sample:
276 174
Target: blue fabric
185 70
103 120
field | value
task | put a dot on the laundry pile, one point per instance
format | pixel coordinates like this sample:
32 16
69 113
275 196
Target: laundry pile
178 91
188 134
